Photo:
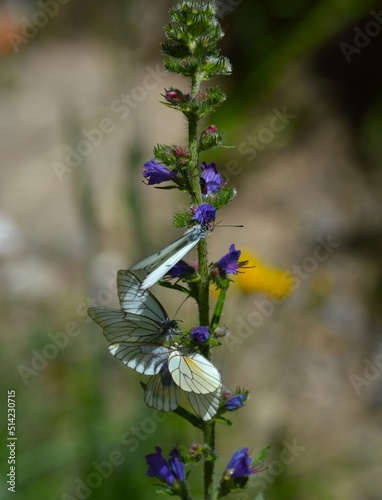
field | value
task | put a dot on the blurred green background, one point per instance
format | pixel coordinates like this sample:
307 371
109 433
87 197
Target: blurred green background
79 73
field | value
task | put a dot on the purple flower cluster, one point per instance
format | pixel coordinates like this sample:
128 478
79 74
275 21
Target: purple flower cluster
211 180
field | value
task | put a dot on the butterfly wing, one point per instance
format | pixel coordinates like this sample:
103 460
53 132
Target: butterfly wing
205 405
147 359
161 392
135 300
157 264
193 372
119 326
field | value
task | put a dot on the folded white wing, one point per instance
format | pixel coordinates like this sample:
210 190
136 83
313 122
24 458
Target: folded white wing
156 265
119 326
205 405
135 300
143 358
193 372
162 393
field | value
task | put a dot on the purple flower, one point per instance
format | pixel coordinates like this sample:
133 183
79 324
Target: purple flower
213 180
235 402
181 269
157 173
205 213
168 472
229 263
200 334
239 465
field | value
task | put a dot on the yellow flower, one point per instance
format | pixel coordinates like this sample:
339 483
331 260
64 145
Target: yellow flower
258 277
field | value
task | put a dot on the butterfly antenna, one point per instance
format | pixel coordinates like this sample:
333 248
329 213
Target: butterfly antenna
228 225
183 301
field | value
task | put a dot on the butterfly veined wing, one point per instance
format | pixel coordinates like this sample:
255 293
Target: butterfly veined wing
135 300
161 392
147 359
119 326
193 372
156 265
205 405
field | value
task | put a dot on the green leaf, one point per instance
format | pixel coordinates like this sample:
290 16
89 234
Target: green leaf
224 421
222 197
218 310
262 455
182 220
166 187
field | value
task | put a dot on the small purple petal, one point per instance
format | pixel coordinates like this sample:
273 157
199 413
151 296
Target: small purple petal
229 263
181 269
156 172
200 334
205 213
176 464
235 402
213 180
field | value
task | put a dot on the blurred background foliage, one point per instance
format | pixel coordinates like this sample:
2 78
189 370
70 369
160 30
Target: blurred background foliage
62 239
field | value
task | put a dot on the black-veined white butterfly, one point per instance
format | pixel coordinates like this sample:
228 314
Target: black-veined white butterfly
142 318
156 265
136 334
163 394
191 371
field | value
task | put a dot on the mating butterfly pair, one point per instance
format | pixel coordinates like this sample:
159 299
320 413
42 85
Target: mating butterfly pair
138 331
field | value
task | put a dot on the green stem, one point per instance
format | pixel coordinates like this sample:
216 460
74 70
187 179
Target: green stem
209 465
203 292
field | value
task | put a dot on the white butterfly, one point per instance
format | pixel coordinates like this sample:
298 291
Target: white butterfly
136 335
142 318
163 394
157 264
191 371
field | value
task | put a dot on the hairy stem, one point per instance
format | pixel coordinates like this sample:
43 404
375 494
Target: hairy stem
203 293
